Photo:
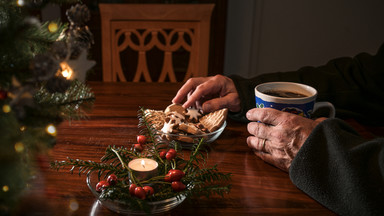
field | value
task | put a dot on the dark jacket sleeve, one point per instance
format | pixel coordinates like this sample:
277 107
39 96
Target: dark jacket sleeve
354 85
336 166
341 170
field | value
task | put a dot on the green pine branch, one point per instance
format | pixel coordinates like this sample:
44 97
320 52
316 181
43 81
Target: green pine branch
85 167
72 104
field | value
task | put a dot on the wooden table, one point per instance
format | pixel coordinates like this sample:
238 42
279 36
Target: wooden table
257 187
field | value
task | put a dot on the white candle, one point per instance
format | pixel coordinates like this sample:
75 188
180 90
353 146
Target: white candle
143 168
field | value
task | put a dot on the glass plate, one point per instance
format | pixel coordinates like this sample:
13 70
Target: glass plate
183 139
123 208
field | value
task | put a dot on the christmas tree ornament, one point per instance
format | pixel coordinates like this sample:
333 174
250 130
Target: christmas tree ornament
3 94
57 84
78 15
59 50
80 66
44 67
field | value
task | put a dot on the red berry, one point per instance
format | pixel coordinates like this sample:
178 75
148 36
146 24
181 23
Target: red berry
140 193
148 190
167 178
132 188
101 185
176 175
138 147
178 186
172 150
3 94
162 154
141 139
170 155
112 179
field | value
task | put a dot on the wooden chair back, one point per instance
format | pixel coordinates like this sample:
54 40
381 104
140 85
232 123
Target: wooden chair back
143 27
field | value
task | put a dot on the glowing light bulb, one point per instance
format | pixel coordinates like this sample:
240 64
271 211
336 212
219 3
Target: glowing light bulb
19 147
52 27
51 129
6 108
20 2
66 71
5 188
22 128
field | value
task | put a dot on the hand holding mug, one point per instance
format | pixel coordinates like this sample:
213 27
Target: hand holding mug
278 136
279 133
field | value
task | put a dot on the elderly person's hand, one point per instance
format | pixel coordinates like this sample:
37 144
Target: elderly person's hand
278 136
209 94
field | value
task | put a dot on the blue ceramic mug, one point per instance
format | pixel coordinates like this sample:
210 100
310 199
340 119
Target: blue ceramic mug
290 97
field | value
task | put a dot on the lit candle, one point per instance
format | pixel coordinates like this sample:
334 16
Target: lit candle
143 168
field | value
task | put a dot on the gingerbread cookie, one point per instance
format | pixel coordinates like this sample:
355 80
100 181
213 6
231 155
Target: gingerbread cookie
175 108
214 120
193 114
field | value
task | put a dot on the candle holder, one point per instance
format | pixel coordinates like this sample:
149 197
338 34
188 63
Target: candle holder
155 207
143 168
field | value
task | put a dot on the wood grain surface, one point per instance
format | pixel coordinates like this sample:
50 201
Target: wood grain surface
257 187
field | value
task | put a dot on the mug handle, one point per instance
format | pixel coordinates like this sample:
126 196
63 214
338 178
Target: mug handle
325 104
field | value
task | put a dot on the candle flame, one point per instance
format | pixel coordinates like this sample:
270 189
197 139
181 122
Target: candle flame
143 163
66 71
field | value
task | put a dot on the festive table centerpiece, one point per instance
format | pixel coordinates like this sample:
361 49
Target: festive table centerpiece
150 176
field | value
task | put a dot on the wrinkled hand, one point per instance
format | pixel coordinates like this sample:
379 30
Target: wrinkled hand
284 134
209 94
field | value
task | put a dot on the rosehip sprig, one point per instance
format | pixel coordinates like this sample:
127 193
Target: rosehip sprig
141 192
178 186
101 185
141 139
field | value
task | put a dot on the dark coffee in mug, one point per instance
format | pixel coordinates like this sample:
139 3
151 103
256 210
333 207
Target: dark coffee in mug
284 93
290 97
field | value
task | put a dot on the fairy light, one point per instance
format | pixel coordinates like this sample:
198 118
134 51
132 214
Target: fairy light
22 128
66 71
20 2
51 129
5 188
6 108
19 147
53 27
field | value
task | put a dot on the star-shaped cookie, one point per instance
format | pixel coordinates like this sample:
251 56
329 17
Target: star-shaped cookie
193 114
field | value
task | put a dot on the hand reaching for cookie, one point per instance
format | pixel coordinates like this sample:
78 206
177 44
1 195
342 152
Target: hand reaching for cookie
209 94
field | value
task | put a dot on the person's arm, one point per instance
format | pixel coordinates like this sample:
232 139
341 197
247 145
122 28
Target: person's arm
341 170
354 85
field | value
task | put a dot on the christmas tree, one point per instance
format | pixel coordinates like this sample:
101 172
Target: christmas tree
42 69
